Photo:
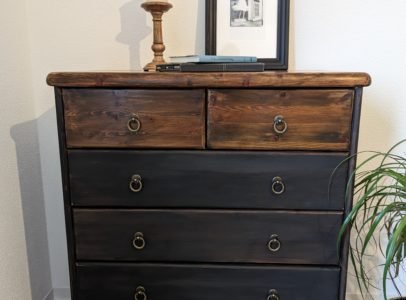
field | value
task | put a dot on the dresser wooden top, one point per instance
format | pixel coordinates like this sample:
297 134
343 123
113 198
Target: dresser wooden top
211 80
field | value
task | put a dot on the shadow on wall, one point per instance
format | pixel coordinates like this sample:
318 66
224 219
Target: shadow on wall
25 136
133 30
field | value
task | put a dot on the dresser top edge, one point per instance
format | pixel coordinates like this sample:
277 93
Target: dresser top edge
276 79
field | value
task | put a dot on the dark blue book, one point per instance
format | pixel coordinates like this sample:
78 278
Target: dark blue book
218 67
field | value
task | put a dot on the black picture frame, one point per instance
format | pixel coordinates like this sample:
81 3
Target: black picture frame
280 62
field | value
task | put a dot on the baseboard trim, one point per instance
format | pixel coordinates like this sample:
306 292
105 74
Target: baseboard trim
353 297
48 295
59 294
359 297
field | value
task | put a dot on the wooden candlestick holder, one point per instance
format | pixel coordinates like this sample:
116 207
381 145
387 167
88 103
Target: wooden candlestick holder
157 9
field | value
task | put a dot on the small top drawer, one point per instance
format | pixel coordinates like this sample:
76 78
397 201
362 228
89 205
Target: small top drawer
134 118
280 119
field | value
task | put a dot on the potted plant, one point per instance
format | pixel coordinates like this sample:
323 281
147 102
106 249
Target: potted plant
378 217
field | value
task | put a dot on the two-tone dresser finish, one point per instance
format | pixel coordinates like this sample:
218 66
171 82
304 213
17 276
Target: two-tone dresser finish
206 186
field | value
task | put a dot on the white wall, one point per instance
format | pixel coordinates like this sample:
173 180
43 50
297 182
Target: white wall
360 35
13 257
365 36
342 35
92 35
24 263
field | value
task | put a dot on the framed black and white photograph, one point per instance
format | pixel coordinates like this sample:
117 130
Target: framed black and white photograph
249 28
246 13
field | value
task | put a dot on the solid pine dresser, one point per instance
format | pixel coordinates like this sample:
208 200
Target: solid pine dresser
207 186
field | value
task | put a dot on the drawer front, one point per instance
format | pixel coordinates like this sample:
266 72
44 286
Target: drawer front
280 119
134 118
185 282
207 236
190 179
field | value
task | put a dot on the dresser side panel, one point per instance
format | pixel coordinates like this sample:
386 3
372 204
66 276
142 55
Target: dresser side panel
356 118
66 190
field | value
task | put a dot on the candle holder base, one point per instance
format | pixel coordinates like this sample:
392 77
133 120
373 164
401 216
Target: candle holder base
151 67
157 9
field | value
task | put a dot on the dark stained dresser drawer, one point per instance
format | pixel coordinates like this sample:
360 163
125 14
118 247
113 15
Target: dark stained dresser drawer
134 118
194 282
199 179
207 236
280 119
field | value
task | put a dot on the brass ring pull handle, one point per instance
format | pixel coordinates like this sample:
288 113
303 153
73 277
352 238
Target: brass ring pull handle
274 244
139 241
273 295
279 125
134 124
140 293
278 187
136 183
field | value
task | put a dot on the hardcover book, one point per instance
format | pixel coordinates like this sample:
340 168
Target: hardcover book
212 59
217 67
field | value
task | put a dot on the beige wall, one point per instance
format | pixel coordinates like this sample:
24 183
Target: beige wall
92 35
24 262
341 35
15 107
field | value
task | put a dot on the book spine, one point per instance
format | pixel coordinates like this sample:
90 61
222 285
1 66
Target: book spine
213 59
236 59
202 68
256 67
244 68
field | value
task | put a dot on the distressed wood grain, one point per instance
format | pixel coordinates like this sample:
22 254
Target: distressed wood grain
169 118
213 80
315 119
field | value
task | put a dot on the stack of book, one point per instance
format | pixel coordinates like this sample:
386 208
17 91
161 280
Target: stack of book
212 63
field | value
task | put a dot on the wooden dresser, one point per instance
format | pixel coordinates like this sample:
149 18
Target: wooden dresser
206 186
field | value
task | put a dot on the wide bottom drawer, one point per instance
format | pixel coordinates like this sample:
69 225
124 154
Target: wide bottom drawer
204 282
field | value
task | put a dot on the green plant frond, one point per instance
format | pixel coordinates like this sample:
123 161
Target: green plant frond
395 146
361 273
378 195
381 180
393 192
397 176
378 205
348 221
389 154
397 240
378 216
378 200
356 272
366 242
368 195
352 216
377 219
356 171
377 174
398 259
